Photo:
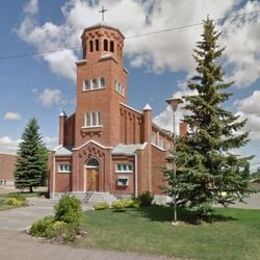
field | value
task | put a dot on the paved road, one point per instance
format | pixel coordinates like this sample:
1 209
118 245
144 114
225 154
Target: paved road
253 202
22 218
17 245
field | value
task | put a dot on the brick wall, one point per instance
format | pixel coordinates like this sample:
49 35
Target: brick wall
158 162
7 166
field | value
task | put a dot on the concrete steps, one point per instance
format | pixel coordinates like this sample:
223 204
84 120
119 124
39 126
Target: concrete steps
93 198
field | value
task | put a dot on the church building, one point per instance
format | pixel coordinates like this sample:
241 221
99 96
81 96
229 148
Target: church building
106 146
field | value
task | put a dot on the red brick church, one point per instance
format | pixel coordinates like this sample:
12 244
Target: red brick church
107 146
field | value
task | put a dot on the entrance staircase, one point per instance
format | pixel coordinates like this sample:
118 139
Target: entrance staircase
93 198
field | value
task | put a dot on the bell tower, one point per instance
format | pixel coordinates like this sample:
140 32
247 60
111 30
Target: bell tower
101 86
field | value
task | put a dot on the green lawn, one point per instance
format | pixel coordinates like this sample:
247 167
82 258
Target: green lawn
24 194
4 207
235 234
3 196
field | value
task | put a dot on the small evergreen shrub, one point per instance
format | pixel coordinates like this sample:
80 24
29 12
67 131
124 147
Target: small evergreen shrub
101 206
125 203
68 210
17 196
64 232
64 226
14 202
145 199
118 204
42 227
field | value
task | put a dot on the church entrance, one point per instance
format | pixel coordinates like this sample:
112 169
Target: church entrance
92 175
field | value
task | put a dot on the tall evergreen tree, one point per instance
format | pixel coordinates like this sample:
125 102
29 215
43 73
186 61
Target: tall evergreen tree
207 171
31 163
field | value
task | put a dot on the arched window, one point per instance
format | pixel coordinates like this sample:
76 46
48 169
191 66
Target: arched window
111 46
105 45
102 82
94 84
97 44
92 162
92 119
86 85
91 46
84 51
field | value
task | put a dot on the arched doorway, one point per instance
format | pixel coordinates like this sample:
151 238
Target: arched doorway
92 175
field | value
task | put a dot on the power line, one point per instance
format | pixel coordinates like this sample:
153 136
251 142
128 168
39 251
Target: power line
44 53
188 26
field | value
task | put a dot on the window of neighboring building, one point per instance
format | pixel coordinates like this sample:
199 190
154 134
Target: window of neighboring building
64 168
122 181
92 119
124 167
95 84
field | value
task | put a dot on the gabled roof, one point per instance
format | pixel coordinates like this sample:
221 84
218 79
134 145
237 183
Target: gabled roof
128 149
93 142
63 150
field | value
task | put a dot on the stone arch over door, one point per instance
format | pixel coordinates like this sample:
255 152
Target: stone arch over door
92 174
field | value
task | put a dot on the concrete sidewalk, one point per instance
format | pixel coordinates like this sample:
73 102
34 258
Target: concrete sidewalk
17 245
22 218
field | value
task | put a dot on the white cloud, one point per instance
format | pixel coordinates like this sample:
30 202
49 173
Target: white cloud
12 116
165 118
242 38
31 7
50 142
49 97
8 145
250 108
171 50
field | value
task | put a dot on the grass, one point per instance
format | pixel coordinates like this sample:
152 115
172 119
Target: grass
5 207
23 194
4 196
234 234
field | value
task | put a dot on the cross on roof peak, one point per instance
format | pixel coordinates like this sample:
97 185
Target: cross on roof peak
103 10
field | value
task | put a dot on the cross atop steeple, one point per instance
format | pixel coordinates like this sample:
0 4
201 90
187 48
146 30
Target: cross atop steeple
103 10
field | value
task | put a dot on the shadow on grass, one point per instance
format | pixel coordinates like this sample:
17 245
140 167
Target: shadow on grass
165 214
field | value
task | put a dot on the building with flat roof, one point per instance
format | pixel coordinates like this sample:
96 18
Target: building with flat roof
7 167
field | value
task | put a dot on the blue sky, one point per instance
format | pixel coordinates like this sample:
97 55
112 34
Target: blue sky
159 65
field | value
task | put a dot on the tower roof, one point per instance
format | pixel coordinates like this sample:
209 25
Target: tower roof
102 25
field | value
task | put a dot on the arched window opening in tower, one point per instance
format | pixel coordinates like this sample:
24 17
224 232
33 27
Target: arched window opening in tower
84 51
97 44
91 46
111 46
105 45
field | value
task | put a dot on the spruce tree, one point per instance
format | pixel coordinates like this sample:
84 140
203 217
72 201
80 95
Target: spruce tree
31 163
207 170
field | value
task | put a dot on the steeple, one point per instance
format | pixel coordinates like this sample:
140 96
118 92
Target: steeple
102 40
101 85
